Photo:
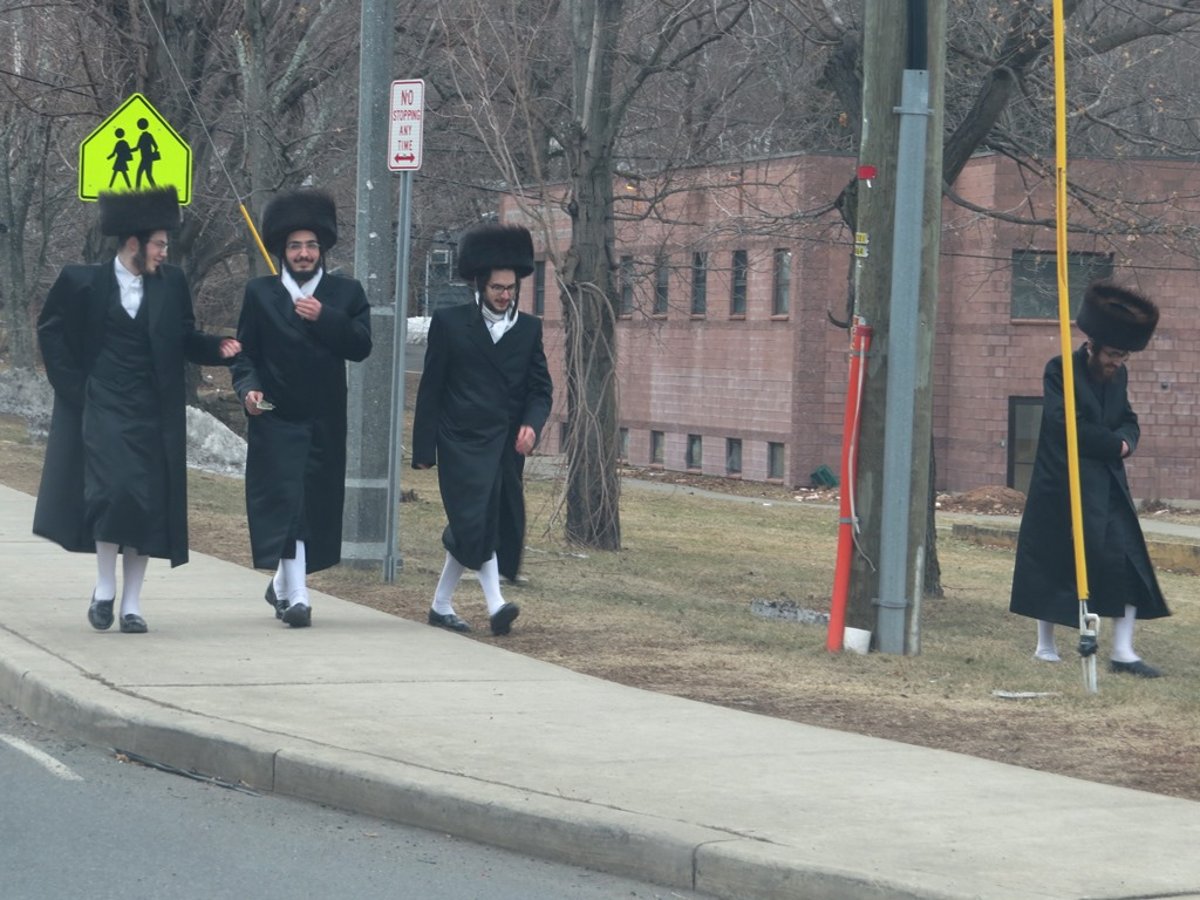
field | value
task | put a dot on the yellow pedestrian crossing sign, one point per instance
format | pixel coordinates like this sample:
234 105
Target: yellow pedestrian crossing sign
132 150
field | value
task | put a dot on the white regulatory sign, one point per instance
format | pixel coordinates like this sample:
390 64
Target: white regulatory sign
405 125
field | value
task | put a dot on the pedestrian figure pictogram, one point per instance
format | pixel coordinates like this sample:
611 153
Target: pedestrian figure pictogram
121 155
148 148
134 149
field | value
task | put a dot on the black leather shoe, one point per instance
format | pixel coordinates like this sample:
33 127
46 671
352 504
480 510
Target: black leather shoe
133 624
100 613
276 604
298 616
502 619
1137 667
450 620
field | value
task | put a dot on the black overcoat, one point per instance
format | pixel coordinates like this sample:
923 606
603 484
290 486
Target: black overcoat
71 333
1118 564
473 398
296 453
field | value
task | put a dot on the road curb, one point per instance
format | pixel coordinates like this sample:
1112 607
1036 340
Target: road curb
57 694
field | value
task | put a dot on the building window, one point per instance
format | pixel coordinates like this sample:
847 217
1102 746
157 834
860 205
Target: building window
733 456
662 279
1035 281
699 283
564 436
656 448
623 445
695 447
775 460
539 287
737 285
626 286
1024 423
782 290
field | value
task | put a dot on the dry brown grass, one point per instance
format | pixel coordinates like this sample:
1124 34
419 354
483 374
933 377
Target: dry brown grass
671 613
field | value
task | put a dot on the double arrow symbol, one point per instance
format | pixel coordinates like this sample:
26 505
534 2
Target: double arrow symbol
401 158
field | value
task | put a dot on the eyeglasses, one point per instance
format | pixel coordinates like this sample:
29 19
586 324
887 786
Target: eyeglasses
293 246
1112 355
502 288
161 245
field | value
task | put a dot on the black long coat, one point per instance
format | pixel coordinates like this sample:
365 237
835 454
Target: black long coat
1118 564
296 453
71 333
473 398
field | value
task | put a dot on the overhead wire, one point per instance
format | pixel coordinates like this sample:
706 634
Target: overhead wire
208 135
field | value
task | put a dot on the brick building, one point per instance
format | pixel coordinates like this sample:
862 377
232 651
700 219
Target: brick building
729 363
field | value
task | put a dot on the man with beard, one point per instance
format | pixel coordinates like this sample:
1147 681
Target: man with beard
297 331
484 396
1121 579
114 338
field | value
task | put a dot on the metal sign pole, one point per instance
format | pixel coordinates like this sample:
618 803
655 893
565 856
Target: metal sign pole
392 561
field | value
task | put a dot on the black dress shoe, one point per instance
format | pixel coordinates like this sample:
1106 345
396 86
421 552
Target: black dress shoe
278 605
298 615
450 620
133 624
502 618
100 613
1137 667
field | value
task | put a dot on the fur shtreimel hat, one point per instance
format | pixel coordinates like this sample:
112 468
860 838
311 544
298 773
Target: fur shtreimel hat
306 210
492 246
139 212
1117 317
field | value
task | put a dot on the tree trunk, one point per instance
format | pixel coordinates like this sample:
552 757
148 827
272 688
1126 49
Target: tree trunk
593 487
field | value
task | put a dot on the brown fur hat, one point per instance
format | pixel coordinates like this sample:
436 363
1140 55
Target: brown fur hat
1117 317
304 210
139 212
494 246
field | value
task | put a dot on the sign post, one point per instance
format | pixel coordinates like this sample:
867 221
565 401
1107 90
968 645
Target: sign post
405 132
134 149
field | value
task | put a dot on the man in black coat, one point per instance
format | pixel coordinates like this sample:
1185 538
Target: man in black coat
1121 580
114 338
297 331
484 396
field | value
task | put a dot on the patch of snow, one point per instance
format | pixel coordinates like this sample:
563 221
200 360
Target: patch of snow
211 446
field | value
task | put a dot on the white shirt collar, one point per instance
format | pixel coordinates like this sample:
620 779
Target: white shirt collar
131 287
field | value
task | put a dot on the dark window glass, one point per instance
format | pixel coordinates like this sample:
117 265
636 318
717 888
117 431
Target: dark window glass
1035 281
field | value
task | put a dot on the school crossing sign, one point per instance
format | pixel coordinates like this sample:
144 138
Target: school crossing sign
134 149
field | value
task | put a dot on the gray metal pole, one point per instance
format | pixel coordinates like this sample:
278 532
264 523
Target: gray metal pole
902 362
392 560
370 405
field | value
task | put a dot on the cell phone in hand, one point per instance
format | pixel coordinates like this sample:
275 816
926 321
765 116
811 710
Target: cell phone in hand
264 405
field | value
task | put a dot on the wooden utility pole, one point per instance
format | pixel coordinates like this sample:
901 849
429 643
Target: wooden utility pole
886 53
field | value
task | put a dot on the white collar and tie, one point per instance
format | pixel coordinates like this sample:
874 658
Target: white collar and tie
131 288
298 291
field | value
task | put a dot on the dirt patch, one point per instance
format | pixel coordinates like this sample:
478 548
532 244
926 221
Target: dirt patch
985 501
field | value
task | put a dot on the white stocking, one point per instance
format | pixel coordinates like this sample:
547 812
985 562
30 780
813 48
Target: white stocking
133 572
489 580
294 577
106 570
1122 647
443 596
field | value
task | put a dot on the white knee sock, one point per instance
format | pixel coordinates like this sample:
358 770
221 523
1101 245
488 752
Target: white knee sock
443 595
294 577
1122 646
1046 648
133 574
489 579
106 570
280 582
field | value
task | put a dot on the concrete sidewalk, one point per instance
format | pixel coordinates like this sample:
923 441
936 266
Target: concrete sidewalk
396 719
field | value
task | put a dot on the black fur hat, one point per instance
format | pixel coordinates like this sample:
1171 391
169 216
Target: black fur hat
139 212
1117 317
305 210
493 246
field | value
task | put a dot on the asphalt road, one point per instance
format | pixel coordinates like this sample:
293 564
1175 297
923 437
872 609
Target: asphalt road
78 821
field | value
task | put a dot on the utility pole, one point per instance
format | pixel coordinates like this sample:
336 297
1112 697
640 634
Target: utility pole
370 407
880 228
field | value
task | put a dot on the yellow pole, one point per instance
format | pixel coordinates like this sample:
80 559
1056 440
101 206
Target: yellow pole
257 239
1064 322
